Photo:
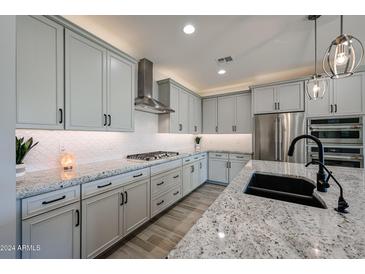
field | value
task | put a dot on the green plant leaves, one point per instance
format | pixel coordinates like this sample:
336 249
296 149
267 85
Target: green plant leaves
22 148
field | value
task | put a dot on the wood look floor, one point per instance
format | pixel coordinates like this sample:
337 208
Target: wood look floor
158 237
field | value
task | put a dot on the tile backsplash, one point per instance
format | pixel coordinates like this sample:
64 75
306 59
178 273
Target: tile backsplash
89 146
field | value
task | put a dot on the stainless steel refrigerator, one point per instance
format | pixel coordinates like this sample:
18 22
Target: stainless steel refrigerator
274 133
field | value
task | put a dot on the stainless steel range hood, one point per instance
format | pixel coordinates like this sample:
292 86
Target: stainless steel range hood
144 101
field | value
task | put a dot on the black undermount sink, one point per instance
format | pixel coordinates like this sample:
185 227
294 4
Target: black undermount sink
284 188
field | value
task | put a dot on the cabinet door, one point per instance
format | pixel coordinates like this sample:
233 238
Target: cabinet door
198 114
39 73
320 107
121 89
203 165
226 114
101 222
263 100
136 205
187 179
85 75
243 113
290 97
210 115
235 168
174 104
192 114
183 112
349 94
56 233
196 175
218 170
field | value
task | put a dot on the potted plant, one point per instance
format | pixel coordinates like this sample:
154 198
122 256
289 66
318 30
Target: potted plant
22 148
197 143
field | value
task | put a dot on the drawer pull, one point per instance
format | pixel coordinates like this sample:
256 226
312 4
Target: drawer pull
105 185
121 194
159 184
177 192
196 158
177 176
188 160
160 203
55 200
138 175
240 157
126 197
218 155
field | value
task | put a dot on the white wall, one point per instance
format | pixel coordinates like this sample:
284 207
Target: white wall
7 128
229 142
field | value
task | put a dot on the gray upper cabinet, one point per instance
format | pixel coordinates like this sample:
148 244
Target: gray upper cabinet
120 87
243 113
85 68
345 96
39 73
278 98
187 106
210 115
226 114
183 112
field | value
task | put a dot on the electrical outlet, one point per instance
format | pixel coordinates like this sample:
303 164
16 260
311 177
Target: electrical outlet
62 147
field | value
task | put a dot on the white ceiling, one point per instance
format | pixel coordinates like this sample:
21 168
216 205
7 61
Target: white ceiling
264 48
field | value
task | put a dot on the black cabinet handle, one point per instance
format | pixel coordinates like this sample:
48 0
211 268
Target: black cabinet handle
61 115
335 107
159 184
122 203
216 129
110 120
278 105
126 197
160 203
105 120
177 176
78 218
52 201
177 192
180 127
105 185
139 175
188 160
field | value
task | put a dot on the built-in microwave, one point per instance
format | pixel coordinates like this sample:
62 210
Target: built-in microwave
337 130
338 155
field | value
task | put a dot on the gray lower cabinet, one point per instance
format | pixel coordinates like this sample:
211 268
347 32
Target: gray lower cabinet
109 216
136 205
51 225
191 174
203 166
102 222
224 167
39 73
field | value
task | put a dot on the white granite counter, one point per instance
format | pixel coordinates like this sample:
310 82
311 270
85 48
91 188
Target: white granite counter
38 182
239 225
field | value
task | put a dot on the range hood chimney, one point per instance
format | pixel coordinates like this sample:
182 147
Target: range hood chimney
144 101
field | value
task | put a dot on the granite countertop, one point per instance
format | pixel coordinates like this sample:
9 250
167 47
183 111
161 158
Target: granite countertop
38 182
239 225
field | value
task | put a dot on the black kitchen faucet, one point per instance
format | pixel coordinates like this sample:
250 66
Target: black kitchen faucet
322 177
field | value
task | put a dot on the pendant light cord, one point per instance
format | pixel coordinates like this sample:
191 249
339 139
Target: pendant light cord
315 47
341 24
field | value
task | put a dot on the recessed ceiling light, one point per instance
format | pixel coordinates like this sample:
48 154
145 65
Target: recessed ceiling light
222 71
189 29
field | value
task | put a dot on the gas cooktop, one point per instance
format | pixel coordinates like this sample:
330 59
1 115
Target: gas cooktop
150 156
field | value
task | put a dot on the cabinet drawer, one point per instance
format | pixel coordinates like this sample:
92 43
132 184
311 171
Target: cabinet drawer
165 167
33 206
165 181
160 203
190 159
106 184
218 155
239 157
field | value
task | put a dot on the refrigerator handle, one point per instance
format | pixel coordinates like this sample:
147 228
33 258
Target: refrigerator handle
280 143
276 138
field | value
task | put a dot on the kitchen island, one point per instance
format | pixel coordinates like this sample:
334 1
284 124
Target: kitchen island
239 225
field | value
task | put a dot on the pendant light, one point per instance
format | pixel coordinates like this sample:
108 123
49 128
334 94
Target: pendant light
340 59
315 87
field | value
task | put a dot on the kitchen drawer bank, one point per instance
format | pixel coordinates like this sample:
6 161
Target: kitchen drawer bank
39 182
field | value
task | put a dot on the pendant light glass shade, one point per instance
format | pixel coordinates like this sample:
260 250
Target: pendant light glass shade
343 56
317 86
